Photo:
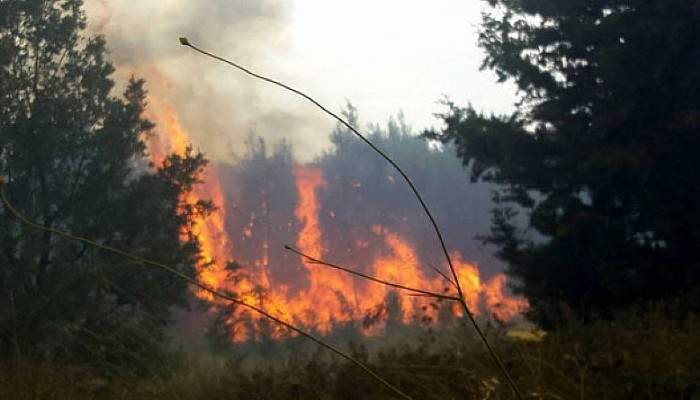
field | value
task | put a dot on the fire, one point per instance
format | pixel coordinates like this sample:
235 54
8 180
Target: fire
210 231
326 287
401 267
308 181
469 280
504 308
329 297
172 137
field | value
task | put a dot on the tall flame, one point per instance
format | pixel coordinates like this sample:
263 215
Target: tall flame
308 181
326 287
329 297
210 231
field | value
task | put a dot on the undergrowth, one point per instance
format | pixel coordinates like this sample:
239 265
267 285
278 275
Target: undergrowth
637 357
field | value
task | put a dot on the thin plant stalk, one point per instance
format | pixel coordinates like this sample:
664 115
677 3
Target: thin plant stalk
185 42
420 292
194 282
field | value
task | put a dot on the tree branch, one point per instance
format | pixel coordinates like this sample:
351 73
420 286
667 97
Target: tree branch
185 42
421 292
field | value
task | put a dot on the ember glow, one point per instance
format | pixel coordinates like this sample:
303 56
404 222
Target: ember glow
328 297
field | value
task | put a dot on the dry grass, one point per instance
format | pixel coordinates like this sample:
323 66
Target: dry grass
649 357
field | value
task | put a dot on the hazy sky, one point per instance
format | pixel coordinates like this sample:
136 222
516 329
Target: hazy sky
383 56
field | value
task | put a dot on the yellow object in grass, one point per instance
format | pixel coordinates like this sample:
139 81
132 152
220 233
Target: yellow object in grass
534 335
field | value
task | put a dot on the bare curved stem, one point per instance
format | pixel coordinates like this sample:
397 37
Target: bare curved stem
200 285
420 292
438 233
442 274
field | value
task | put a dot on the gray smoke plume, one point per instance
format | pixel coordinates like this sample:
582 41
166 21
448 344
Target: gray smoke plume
216 105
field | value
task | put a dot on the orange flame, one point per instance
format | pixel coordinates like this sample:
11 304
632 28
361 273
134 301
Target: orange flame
503 307
326 287
308 181
329 297
210 231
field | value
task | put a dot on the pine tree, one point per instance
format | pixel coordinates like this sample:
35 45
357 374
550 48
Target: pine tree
73 157
600 156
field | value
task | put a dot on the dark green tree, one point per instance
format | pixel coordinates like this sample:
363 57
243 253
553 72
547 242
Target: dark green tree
601 154
73 157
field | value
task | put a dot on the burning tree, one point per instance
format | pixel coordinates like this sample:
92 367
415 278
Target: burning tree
339 208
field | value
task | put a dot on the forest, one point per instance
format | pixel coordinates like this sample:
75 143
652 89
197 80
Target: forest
545 253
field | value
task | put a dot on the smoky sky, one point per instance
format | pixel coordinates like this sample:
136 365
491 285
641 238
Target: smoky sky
384 57
217 106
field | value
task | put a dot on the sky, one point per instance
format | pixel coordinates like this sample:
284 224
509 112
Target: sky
382 56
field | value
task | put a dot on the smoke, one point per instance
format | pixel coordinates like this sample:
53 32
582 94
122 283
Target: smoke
216 105
346 205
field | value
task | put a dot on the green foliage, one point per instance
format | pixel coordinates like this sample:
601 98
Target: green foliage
74 159
601 154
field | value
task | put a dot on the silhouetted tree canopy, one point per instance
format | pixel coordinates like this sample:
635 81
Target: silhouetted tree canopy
74 159
601 153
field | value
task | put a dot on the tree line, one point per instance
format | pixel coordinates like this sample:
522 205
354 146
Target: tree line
596 205
600 154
